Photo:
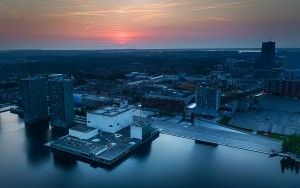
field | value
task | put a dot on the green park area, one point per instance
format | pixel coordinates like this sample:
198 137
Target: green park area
291 144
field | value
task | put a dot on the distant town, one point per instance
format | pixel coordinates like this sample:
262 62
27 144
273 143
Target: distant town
247 99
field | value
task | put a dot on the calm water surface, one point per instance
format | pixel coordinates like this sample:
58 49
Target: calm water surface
166 162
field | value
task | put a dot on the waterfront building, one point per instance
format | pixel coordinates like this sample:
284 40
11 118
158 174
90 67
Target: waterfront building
140 129
111 118
61 102
34 97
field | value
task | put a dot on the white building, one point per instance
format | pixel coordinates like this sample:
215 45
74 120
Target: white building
83 132
140 130
111 119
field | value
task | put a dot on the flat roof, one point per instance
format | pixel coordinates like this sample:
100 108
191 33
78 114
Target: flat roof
82 128
140 124
172 94
111 110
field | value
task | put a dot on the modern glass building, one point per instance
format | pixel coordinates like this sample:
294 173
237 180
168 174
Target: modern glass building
61 102
34 97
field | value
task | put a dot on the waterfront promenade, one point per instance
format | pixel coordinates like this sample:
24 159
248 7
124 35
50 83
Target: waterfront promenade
217 136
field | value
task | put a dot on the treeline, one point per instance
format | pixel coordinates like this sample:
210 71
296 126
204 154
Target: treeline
111 63
291 144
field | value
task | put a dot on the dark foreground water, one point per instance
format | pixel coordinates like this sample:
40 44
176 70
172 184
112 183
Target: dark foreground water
166 162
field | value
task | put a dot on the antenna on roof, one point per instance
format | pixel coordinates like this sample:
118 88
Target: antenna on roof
270 37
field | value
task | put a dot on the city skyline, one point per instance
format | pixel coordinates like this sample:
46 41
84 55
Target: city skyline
78 24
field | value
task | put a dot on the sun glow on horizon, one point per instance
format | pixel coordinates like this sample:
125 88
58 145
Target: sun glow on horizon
122 37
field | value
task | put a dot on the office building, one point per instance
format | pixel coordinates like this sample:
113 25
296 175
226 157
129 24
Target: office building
268 51
34 94
268 55
208 101
61 102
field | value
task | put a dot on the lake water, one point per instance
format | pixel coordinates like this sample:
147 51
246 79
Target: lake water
166 162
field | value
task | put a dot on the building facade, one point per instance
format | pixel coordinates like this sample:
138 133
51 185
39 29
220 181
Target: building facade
268 51
34 97
268 55
140 130
61 102
208 101
110 119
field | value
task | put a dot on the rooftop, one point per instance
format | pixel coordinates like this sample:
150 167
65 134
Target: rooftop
170 93
111 110
141 123
83 129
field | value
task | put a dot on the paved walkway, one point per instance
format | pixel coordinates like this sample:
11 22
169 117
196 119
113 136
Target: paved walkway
234 139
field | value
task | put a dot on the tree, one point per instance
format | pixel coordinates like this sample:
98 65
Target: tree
291 144
192 118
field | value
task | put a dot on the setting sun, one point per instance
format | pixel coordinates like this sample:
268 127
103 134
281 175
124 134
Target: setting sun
122 37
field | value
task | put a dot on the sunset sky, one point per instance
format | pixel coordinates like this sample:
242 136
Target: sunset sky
102 24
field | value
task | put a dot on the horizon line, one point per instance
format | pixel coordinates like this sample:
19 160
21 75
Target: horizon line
106 49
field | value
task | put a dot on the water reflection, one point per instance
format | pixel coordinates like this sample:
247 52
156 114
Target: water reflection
63 160
60 159
142 153
56 133
289 164
25 158
36 136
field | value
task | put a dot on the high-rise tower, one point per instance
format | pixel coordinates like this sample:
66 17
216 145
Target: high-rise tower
34 94
61 102
268 53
